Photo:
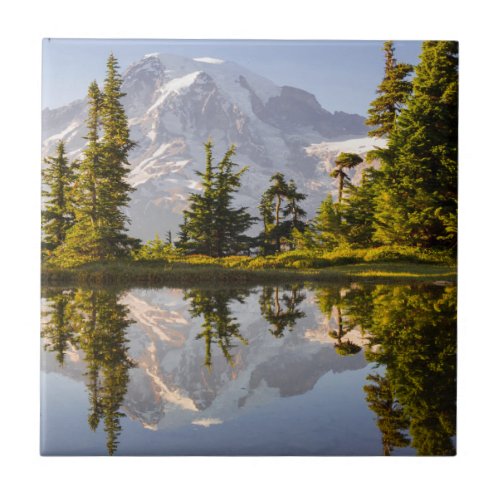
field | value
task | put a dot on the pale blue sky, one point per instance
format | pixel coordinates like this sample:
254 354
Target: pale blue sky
343 75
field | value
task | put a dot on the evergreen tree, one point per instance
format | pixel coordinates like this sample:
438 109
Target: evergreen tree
417 204
266 209
295 212
274 213
101 191
82 243
392 94
197 230
326 224
277 192
342 162
212 226
114 190
358 211
57 215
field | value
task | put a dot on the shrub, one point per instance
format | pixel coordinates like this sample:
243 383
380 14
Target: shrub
402 254
344 255
235 261
155 249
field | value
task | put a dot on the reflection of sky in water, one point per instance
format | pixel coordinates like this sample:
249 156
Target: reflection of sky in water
274 396
332 418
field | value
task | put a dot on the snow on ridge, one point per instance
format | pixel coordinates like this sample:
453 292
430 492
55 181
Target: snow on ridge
174 86
208 60
359 146
61 135
153 54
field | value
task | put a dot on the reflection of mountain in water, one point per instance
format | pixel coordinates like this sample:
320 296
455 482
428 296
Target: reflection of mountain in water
297 372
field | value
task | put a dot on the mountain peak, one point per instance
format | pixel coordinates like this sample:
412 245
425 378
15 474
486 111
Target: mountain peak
175 103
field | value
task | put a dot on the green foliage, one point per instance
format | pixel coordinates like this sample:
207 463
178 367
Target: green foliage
414 331
57 216
219 326
358 211
326 226
211 225
101 191
56 327
391 94
342 162
279 307
411 332
94 322
281 214
391 420
417 202
155 249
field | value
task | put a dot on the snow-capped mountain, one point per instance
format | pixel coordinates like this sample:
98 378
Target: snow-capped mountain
175 104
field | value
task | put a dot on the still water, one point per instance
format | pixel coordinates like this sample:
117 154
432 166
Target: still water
293 370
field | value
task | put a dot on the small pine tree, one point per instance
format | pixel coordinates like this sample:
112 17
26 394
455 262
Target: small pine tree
358 211
294 210
57 216
326 224
279 201
212 226
342 162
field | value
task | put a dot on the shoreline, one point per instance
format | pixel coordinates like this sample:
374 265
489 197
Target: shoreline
154 274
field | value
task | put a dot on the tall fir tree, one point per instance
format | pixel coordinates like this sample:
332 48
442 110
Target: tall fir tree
392 94
57 216
417 204
116 144
82 243
101 191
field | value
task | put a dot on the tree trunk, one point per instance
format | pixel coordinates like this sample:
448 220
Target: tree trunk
278 206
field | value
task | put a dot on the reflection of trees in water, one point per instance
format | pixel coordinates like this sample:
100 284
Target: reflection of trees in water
330 302
56 329
97 323
391 419
279 307
219 326
343 347
413 334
